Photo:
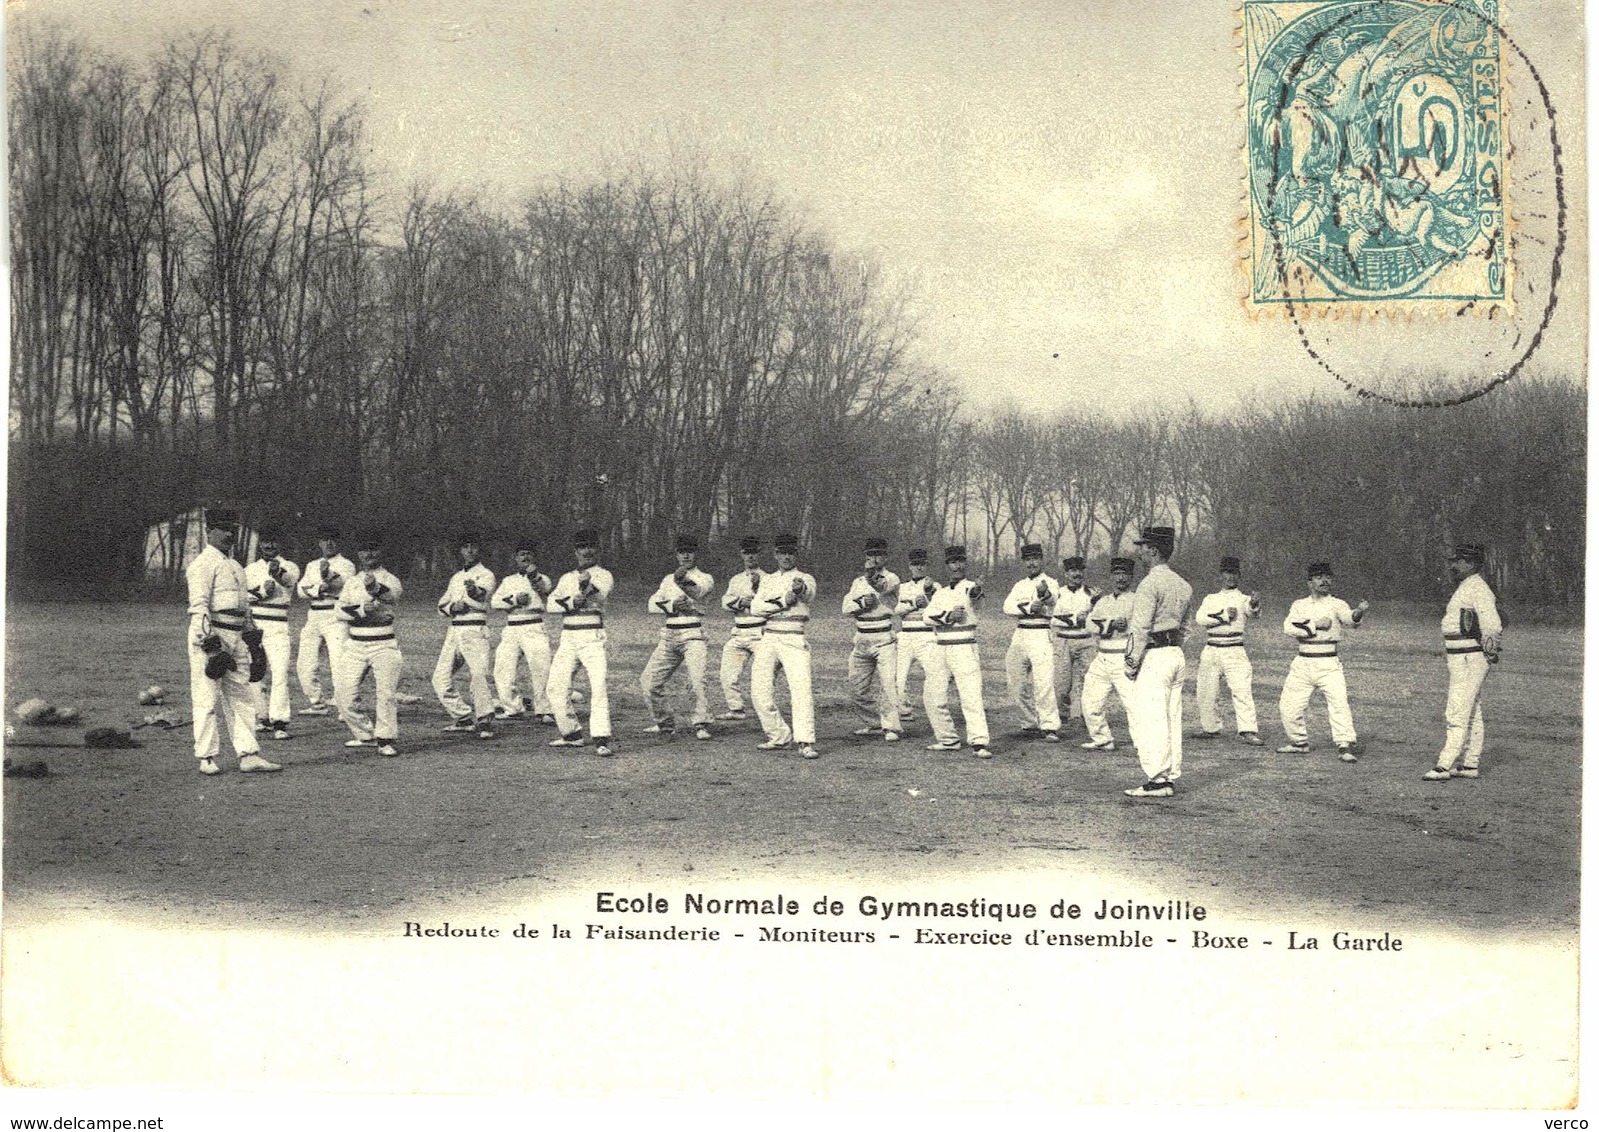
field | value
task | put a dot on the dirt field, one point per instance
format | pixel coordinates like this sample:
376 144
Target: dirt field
345 840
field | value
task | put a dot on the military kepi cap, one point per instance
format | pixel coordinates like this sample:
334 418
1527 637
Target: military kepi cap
327 530
1075 562
954 554
1033 550
687 544
269 534
749 544
586 539
369 539
1162 538
1121 565
221 520
1468 552
917 557
1319 570
875 545
786 544
466 538
1230 563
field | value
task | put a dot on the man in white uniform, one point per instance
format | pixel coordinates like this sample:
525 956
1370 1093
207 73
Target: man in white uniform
1030 660
271 580
870 604
1156 664
952 611
1223 616
521 595
320 583
219 661
784 600
1108 617
740 648
466 604
1318 623
1075 646
1471 628
367 606
580 597
915 634
682 641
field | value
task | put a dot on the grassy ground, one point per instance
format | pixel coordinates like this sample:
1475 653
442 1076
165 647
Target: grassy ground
345 838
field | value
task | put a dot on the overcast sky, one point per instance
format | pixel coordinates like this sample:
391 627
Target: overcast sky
1058 187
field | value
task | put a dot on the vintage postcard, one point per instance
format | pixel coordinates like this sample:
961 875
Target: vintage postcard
909 555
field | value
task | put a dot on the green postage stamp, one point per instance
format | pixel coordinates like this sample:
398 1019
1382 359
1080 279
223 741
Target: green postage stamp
1376 156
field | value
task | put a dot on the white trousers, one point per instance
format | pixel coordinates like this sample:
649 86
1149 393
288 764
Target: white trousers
278 644
518 643
961 664
1030 678
224 704
914 647
1305 675
385 662
1232 664
322 627
738 652
1073 658
1156 719
1463 711
874 656
1108 673
584 647
792 653
468 644
677 648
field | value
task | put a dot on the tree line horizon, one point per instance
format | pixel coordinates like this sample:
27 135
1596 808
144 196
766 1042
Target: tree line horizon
211 302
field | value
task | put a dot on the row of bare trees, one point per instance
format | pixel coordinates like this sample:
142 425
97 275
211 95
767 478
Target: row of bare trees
656 355
1377 489
211 301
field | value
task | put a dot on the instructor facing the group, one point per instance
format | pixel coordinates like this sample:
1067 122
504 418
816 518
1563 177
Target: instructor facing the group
1155 663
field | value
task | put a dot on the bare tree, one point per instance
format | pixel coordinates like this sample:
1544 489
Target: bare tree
234 114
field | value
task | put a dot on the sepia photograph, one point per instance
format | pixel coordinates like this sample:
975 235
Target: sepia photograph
1026 555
